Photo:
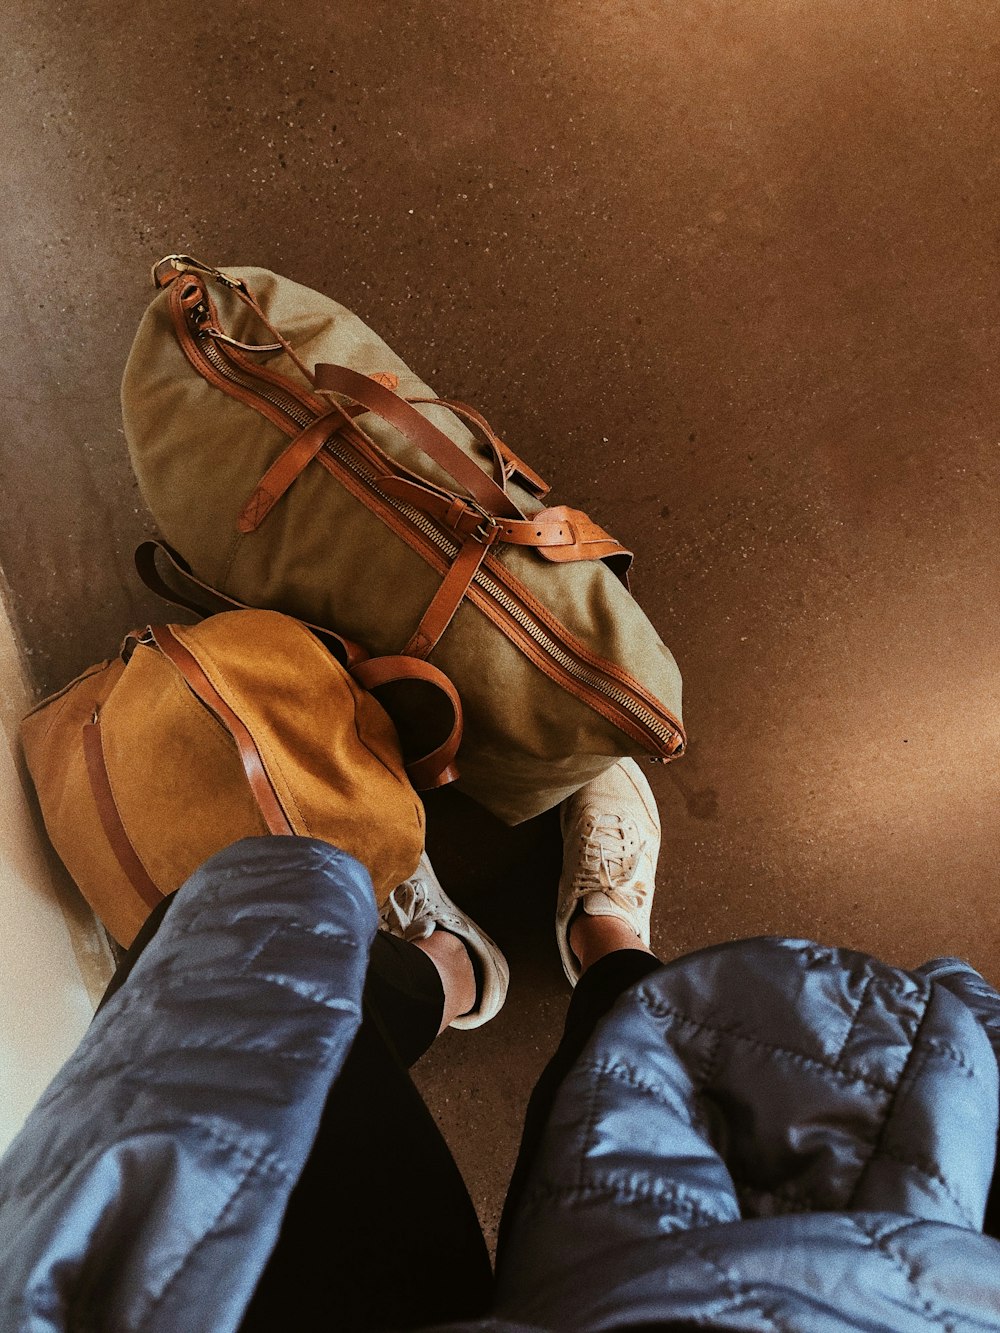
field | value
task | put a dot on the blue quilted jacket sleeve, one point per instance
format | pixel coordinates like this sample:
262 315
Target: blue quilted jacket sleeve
151 1178
773 1136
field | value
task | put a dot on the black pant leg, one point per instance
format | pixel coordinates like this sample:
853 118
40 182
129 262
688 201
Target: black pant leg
380 1231
403 988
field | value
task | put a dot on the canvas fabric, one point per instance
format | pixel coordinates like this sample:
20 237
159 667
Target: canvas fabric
323 556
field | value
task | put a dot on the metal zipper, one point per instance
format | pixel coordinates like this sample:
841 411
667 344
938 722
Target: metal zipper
303 417
298 412
577 669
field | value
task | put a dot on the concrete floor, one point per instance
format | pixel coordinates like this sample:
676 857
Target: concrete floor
726 274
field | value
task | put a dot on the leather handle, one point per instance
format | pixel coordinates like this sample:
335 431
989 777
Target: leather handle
346 651
145 566
264 791
446 601
437 767
508 464
405 418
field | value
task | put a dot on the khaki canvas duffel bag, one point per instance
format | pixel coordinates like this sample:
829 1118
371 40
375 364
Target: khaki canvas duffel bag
295 462
198 736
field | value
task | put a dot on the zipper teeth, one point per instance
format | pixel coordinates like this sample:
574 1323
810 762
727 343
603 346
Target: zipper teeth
570 664
288 404
527 622
579 671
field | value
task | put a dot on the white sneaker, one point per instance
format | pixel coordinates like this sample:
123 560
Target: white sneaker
611 841
419 906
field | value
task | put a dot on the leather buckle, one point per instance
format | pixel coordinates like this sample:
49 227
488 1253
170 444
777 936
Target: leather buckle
488 525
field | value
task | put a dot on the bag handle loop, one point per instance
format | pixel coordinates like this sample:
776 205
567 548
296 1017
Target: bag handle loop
438 767
489 492
346 651
405 418
508 464
435 768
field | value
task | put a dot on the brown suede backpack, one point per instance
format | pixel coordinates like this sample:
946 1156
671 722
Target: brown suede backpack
295 462
200 735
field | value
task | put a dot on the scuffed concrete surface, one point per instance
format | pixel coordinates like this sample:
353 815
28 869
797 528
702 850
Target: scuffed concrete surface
726 274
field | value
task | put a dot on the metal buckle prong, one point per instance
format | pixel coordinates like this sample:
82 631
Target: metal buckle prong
489 523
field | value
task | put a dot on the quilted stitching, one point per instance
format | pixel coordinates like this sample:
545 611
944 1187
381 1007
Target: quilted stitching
661 1010
680 1056
879 1237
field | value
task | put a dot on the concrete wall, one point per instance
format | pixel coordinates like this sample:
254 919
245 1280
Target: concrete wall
54 961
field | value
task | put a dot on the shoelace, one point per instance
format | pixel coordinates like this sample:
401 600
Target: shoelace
402 912
412 913
404 916
608 861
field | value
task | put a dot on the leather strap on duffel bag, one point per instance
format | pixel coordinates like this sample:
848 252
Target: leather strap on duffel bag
316 474
199 735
